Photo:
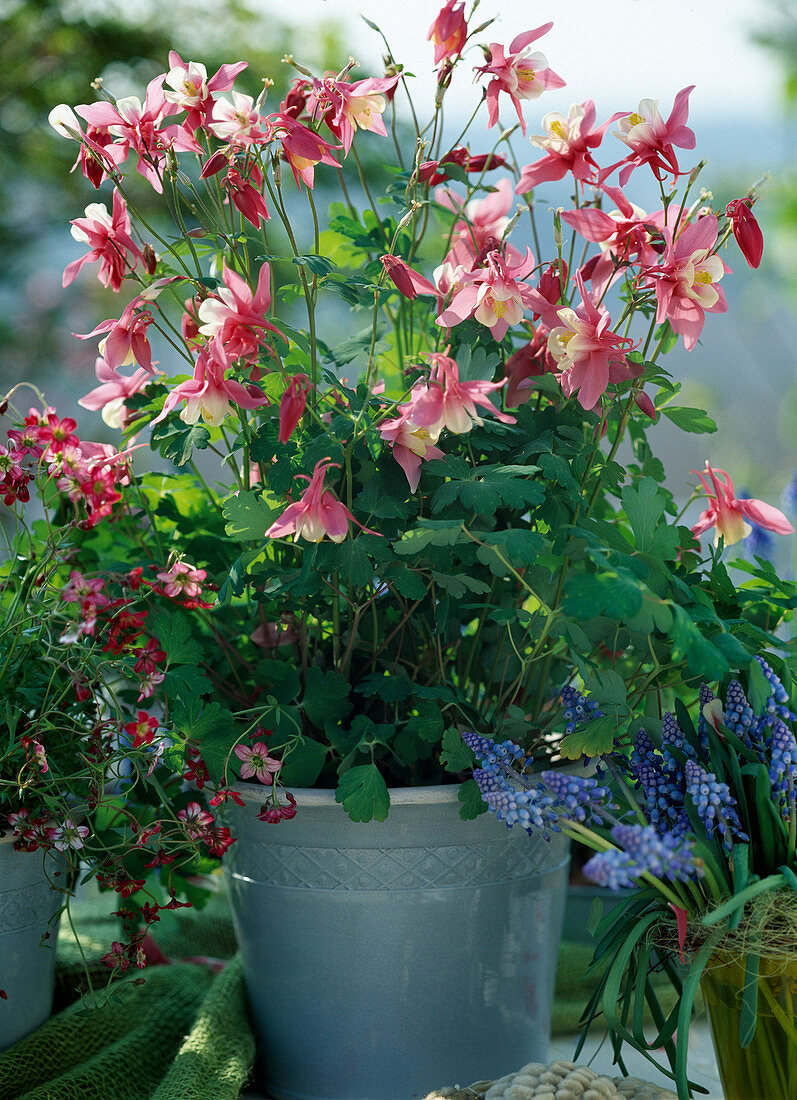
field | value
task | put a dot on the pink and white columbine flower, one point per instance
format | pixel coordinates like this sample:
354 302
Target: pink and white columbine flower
520 74
316 513
348 107
237 122
303 148
450 403
411 443
493 295
109 241
114 389
728 515
482 227
588 354
236 315
209 395
182 579
623 235
192 92
448 32
651 139
686 279
567 143
256 763
137 126
68 835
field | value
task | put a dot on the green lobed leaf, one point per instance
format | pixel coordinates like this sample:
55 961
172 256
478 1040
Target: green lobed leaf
176 638
472 805
303 764
363 793
455 756
595 739
247 515
326 696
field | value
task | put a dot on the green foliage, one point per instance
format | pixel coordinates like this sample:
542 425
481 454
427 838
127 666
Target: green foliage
363 793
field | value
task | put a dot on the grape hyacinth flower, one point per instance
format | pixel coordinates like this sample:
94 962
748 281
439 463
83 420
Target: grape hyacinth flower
577 708
664 793
530 808
714 803
580 797
645 850
783 765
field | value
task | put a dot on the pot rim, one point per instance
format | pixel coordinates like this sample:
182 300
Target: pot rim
325 796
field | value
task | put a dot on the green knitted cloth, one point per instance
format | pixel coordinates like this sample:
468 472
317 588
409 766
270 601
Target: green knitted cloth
182 1034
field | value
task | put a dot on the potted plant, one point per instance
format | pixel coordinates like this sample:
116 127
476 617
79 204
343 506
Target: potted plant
392 504
697 817
84 792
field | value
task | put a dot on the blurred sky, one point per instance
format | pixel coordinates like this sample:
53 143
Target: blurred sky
609 50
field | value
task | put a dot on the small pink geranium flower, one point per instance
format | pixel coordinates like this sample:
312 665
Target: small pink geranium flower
68 835
520 74
256 763
182 580
195 820
729 515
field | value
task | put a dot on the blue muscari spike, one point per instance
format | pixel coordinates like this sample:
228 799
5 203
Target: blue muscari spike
577 708
783 766
644 849
715 805
530 808
664 795
581 798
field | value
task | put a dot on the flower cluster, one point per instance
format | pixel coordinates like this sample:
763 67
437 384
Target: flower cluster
683 804
383 551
